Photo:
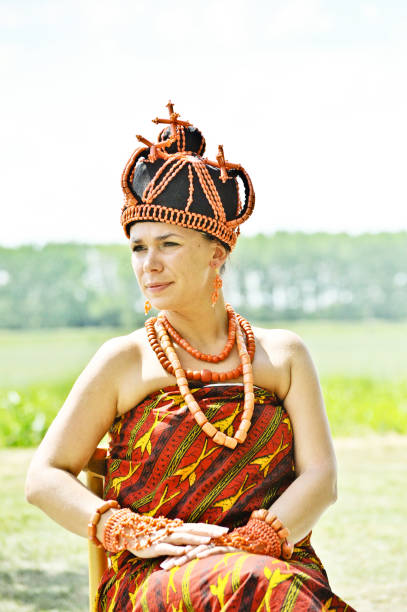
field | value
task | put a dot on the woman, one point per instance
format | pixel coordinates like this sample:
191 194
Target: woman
228 443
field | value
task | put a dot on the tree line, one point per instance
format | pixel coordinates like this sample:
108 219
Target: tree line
286 275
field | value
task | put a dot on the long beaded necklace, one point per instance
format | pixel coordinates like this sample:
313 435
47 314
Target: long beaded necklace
163 347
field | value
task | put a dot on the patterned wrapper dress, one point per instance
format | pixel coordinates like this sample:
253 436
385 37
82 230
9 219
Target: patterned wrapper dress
160 462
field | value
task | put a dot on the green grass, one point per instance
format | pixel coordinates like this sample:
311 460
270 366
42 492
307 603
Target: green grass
361 366
361 405
368 348
30 357
373 349
42 566
26 414
356 406
361 540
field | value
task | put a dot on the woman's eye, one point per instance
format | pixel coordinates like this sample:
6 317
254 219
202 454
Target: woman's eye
139 247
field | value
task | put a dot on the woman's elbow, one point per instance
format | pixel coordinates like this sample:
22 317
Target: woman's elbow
34 483
331 485
334 497
31 489
325 483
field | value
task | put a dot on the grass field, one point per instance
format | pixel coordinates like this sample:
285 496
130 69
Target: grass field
362 368
373 349
361 540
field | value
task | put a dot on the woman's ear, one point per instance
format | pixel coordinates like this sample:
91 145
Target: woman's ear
219 256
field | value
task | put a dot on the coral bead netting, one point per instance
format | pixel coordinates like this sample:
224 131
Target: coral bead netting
239 328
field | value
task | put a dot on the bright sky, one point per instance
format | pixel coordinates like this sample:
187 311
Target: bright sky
310 96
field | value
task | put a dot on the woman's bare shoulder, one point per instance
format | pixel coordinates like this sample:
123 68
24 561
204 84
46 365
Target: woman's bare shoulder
119 348
131 367
282 339
110 364
276 351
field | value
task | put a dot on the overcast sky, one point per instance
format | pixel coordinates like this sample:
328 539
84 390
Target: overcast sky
310 96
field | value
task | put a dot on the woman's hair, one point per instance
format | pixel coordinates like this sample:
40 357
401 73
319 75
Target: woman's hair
211 238
214 239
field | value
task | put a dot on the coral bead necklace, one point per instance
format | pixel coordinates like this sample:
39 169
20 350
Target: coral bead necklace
203 375
197 354
164 348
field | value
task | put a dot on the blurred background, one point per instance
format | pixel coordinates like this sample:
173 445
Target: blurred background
310 97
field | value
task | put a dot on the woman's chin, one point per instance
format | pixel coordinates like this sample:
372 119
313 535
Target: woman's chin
168 305
161 303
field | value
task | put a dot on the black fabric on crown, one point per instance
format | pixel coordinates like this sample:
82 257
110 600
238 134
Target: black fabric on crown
175 184
176 192
193 139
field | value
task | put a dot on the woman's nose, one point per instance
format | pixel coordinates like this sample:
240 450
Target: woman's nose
152 261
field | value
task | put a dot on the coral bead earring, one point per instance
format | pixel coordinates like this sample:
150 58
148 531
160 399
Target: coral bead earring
217 284
147 307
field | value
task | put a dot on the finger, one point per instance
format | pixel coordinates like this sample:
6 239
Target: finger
171 562
203 529
216 550
157 550
186 538
213 531
168 563
191 554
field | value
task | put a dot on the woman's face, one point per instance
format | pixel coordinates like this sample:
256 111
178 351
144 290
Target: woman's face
173 265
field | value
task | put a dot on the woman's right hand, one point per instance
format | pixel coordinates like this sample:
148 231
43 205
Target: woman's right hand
183 538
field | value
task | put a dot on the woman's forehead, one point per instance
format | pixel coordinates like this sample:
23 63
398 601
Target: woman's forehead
157 230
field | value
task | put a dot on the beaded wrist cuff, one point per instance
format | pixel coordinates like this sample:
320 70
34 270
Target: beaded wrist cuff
264 534
282 532
256 537
125 526
95 518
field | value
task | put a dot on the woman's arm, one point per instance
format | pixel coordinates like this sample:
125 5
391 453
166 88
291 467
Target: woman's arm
314 489
301 504
86 415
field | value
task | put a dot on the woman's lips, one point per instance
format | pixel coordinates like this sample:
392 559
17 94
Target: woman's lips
157 287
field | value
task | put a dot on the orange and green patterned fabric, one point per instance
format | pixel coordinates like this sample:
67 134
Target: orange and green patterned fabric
160 462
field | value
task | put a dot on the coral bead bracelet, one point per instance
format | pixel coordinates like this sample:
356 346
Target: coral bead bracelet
264 534
95 518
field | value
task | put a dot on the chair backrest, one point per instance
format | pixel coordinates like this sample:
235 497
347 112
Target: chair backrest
95 472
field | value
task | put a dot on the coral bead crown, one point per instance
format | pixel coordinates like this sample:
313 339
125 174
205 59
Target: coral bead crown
169 181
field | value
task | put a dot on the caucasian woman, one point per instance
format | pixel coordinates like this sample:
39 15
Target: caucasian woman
220 458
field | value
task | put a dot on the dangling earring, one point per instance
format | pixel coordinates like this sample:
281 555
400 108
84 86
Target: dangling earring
217 284
147 307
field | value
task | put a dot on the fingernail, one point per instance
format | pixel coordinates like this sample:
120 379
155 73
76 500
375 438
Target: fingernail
164 565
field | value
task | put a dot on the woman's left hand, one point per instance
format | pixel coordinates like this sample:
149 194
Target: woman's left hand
199 552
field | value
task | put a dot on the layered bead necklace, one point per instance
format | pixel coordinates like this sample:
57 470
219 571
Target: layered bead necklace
160 332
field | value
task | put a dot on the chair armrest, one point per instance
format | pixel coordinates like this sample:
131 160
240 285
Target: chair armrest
97 463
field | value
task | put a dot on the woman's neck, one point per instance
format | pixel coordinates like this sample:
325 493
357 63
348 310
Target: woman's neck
205 328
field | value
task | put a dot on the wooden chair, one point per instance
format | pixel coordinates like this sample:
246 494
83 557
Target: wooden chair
95 472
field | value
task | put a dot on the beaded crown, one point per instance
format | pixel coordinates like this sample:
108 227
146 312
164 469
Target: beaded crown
169 181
